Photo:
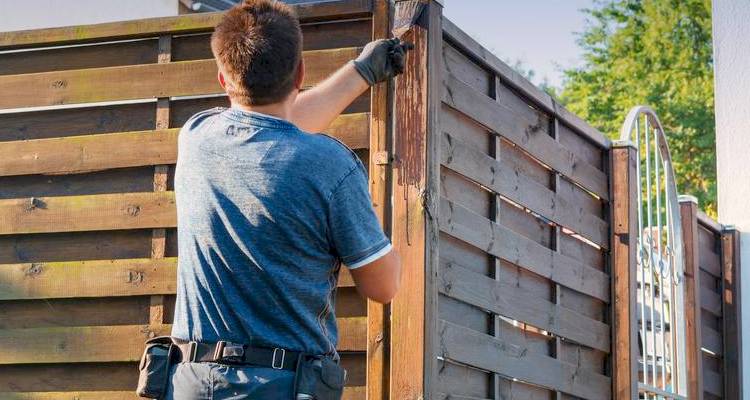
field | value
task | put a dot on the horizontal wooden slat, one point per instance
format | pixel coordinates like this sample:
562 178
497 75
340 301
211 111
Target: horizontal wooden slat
146 81
97 278
507 299
350 393
128 149
307 12
496 355
524 134
501 242
710 301
513 184
130 277
121 343
711 341
88 213
712 383
466 43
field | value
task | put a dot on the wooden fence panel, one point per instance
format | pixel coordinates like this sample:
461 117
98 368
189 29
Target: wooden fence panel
522 279
87 239
712 296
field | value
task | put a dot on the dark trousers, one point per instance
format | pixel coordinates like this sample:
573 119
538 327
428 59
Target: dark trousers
208 381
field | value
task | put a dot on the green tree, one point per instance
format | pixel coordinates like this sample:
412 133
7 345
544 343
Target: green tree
654 52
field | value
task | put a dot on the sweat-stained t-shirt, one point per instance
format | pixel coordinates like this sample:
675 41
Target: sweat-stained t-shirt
266 214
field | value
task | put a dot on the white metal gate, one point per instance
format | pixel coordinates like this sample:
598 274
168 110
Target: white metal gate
660 263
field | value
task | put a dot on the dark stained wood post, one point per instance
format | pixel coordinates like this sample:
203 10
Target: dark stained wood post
380 180
624 241
731 303
693 355
415 194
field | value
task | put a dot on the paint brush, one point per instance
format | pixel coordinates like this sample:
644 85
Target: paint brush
406 15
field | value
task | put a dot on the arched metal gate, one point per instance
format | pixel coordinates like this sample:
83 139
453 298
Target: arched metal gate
660 262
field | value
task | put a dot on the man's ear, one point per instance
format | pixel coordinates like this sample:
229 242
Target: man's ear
222 81
300 78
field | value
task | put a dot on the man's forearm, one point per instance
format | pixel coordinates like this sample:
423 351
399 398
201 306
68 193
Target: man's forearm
316 108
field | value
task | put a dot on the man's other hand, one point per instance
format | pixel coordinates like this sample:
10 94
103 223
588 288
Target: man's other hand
382 59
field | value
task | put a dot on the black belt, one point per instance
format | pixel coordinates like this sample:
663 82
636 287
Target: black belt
234 353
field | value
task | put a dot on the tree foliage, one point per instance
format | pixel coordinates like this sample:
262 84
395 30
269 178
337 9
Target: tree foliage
658 53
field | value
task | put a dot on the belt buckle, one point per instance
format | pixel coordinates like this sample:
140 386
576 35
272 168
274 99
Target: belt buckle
192 351
283 356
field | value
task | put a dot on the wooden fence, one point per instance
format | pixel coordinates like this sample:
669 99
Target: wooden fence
87 151
512 216
712 288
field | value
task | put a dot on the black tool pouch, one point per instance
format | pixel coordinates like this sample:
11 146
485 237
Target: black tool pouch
320 379
154 368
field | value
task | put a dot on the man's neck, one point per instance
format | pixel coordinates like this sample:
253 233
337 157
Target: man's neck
278 110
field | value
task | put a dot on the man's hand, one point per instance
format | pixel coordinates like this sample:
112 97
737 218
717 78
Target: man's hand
382 59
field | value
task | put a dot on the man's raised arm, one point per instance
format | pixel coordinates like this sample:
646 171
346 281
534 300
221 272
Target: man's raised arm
380 60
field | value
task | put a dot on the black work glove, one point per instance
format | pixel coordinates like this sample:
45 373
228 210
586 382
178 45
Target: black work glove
382 59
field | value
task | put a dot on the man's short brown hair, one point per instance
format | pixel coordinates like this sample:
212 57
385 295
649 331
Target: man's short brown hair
258 45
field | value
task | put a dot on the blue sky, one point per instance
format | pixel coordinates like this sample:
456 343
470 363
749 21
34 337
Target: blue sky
540 33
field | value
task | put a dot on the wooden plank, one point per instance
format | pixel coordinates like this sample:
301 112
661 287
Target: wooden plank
500 241
97 278
694 299
75 154
525 134
710 301
505 298
713 383
189 23
350 393
711 340
96 56
415 190
379 181
465 42
182 78
121 343
732 300
130 277
493 354
623 158
87 213
514 185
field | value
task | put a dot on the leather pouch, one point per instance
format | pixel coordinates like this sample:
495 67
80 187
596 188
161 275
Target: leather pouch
320 379
153 377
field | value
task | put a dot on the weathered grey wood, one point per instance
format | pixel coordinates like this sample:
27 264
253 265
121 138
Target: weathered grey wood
514 185
501 297
731 313
501 242
711 340
492 354
525 134
710 301
460 39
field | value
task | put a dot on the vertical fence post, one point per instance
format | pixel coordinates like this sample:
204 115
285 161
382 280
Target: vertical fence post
624 242
415 193
731 303
379 174
693 356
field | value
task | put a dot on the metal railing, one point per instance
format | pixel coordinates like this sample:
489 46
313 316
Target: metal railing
660 264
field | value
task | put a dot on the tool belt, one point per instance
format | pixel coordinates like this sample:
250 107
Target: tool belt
316 377
234 353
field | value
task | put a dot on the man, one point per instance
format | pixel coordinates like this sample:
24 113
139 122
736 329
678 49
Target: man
267 212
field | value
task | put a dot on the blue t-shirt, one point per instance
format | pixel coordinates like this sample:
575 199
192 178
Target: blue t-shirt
266 214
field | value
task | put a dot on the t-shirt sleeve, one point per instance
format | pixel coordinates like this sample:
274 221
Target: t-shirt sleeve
355 231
